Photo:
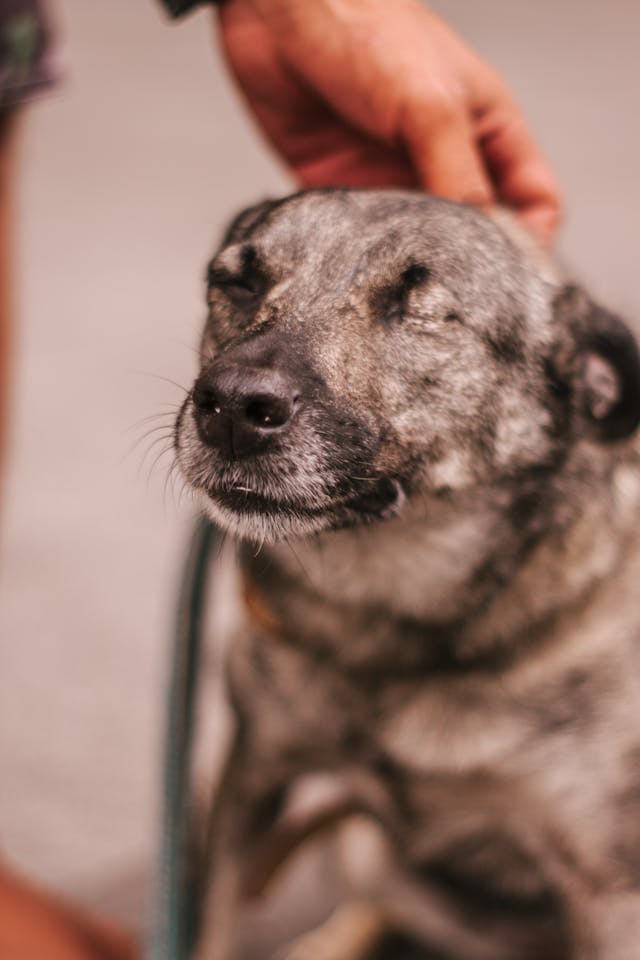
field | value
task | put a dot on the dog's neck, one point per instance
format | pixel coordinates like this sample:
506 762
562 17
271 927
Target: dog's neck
463 587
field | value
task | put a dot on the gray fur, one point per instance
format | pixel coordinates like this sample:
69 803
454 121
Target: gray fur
450 560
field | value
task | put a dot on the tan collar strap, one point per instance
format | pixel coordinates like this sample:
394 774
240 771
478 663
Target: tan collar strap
258 609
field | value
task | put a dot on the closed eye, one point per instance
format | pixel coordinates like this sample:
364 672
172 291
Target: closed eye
242 286
392 301
414 276
234 287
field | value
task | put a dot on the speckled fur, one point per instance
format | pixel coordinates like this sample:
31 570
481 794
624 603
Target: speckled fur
450 550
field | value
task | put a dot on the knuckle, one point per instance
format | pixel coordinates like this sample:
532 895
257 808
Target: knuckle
436 107
444 109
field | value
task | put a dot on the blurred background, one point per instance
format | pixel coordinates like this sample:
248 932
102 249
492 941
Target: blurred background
127 174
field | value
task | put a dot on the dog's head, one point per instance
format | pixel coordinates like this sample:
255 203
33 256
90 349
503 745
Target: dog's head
364 349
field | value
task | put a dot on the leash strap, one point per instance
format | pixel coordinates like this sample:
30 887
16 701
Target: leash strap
172 932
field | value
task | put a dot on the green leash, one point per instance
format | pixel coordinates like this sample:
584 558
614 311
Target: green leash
173 925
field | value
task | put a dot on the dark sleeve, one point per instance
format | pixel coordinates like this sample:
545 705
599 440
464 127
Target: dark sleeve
29 60
177 7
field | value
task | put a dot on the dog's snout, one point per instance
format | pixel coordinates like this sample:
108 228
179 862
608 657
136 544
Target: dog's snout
241 410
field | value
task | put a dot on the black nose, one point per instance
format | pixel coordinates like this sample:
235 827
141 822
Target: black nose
241 410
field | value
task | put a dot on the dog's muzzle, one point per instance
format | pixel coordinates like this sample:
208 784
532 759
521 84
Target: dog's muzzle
272 450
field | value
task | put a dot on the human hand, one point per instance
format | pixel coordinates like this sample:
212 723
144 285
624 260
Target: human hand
367 93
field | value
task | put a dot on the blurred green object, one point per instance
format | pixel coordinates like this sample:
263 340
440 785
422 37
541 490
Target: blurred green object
174 916
27 53
20 35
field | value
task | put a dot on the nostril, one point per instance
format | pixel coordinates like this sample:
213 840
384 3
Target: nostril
268 412
205 399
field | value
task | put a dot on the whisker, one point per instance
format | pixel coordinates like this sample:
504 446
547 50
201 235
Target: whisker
168 481
167 429
221 544
259 548
299 562
137 443
157 376
170 412
163 438
184 490
167 449
190 347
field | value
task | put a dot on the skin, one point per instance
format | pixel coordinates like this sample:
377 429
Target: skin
35 926
365 93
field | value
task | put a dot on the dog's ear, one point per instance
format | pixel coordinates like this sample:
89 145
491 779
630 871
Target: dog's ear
597 363
242 224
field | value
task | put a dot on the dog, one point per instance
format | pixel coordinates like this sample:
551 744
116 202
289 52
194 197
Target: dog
424 439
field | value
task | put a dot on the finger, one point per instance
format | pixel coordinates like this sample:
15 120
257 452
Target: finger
543 220
443 150
522 178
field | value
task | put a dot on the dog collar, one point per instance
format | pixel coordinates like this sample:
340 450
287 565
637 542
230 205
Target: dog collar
257 607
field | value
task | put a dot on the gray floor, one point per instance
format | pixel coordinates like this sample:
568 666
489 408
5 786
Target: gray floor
128 173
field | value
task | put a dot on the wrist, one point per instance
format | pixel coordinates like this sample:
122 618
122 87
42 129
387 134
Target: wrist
297 15
177 8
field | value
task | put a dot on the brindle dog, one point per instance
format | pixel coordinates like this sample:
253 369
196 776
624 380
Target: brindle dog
432 438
